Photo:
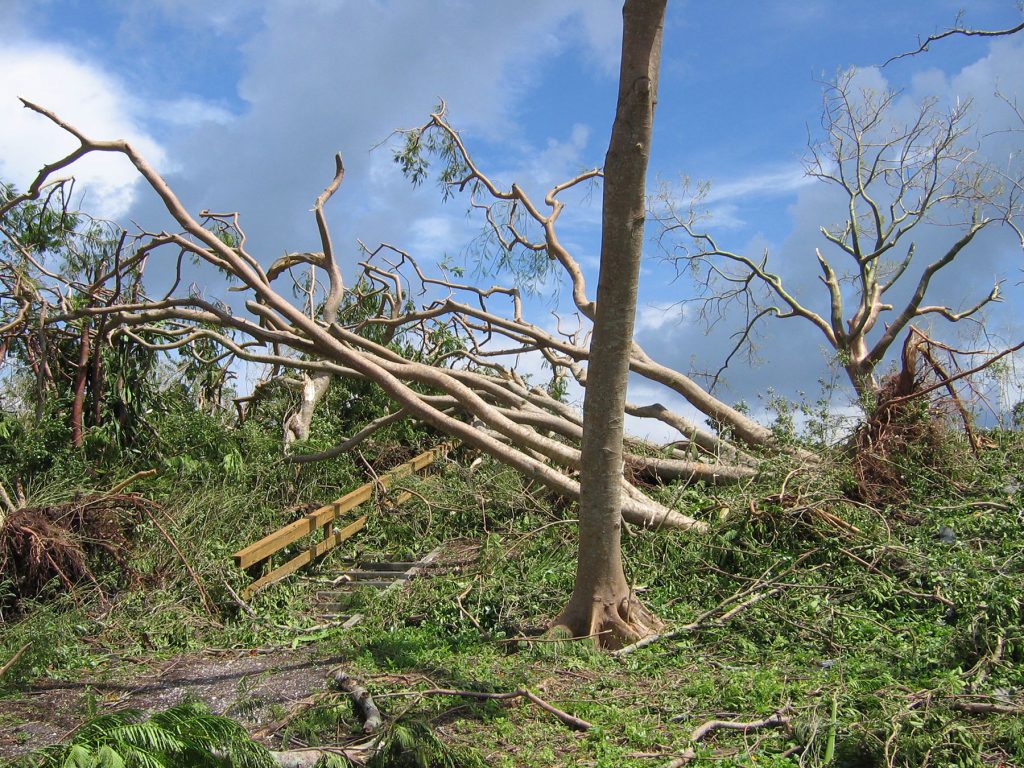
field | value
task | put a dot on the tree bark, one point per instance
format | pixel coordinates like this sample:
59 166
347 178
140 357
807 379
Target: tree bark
96 380
602 604
78 389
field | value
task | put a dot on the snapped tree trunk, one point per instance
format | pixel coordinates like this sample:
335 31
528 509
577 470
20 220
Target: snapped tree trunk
311 392
602 604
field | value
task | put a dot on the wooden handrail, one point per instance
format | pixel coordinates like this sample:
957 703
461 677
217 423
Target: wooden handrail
323 518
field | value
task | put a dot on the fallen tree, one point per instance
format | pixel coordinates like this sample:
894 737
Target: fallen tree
437 362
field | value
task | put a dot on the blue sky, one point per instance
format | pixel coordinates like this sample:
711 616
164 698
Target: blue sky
244 107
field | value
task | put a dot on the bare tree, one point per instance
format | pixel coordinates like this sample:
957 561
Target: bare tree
894 178
444 367
313 386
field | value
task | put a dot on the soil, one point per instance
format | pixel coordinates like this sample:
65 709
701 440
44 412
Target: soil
251 685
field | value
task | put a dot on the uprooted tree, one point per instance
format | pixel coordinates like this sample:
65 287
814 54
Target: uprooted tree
464 376
896 178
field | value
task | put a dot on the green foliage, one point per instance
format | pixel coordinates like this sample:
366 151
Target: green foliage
814 425
28 450
879 629
118 372
872 663
419 146
413 744
1017 415
53 635
489 252
184 736
40 226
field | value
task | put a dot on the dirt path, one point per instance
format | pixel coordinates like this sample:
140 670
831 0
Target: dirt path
253 686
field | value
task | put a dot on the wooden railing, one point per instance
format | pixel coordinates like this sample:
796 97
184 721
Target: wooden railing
262 552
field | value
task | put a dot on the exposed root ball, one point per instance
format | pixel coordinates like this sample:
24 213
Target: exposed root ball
67 542
904 429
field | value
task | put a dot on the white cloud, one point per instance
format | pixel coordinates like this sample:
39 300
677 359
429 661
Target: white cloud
432 236
654 317
726 216
602 25
189 111
763 184
559 160
85 96
307 97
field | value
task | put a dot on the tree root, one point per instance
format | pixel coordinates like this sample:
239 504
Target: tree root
613 624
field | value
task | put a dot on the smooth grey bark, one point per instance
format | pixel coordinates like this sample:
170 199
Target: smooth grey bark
602 603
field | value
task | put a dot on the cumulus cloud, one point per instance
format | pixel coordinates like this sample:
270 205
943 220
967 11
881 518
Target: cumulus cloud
87 97
341 76
335 78
189 111
327 80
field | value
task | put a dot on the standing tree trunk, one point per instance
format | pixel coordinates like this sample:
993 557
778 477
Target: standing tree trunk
78 389
602 602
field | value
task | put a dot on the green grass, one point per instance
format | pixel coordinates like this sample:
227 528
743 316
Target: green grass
880 629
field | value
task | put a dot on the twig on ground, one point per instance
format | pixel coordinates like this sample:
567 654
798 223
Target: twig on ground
987 708
979 672
745 598
239 601
834 520
542 639
310 756
467 614
699 622
523 537
211 608
571 721
778 719
298 708
870 566
928 596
